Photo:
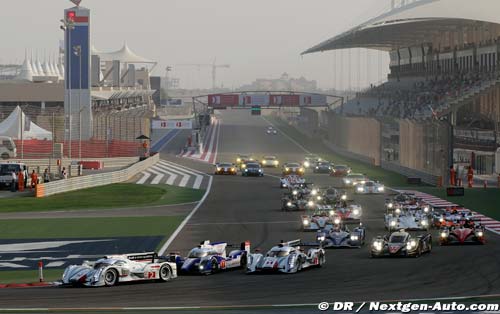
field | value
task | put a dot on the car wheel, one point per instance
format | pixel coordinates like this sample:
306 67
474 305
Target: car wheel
110 277
322 259
243 261
165 273
419 252
214 266
299 264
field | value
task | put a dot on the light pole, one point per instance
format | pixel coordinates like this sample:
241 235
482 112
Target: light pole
77 50
167 69
67 26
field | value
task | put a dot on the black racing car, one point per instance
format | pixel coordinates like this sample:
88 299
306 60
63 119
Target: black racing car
322 167
252 169
401 243
225 168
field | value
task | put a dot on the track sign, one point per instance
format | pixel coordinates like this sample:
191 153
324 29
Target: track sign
256 111
172 124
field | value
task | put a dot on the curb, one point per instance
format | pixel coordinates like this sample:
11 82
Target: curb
27 285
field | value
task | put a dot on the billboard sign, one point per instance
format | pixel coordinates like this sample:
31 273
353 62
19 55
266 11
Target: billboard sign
172 124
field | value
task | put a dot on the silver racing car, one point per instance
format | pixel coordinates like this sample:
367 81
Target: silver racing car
110 270
286 257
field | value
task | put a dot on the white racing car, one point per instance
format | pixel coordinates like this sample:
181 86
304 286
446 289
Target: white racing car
286 257
409 217
322 218
110 270
291 181
370 187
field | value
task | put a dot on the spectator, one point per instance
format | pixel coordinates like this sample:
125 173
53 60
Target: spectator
34 179
46 176
64 173
13 182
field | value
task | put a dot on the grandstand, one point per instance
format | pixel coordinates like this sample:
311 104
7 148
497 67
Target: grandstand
122 107
440 104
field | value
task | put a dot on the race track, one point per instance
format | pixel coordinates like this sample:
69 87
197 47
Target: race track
239 209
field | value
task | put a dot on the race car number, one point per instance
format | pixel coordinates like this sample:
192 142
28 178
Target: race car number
223 264
150 274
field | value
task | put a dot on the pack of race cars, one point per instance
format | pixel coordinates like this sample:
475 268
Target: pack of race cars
328 212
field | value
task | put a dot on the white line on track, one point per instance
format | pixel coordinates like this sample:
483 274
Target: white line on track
145 177
288 136
178 169
244 222
185 221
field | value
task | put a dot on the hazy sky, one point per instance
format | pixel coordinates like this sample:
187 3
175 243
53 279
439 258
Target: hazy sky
258 38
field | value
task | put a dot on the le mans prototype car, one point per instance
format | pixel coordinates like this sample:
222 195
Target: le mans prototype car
208 258
340 236
401 243
310 160
110 270
270 161
354 179
286 257
467 232
408 218
340 171
322 167
322 218
291 181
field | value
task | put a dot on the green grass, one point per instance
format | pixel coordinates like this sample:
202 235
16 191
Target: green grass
110 196
29 276
88 227
484 201
389 178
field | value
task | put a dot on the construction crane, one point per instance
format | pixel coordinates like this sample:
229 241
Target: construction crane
214 67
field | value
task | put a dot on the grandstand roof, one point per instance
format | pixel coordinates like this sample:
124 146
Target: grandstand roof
413 24
124 55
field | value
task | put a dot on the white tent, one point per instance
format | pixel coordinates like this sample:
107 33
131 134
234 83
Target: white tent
12 127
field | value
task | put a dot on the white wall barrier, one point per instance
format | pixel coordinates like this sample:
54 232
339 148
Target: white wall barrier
100 179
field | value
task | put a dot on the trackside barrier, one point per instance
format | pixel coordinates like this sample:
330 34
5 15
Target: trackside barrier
348 154
100 179
407 172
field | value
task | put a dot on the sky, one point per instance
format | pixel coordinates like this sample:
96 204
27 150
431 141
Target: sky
257 38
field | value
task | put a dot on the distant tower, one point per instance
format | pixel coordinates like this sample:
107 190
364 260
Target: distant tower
77 98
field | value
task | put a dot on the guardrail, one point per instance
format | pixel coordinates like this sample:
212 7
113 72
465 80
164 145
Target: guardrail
348 154
100 179
65 162
411 173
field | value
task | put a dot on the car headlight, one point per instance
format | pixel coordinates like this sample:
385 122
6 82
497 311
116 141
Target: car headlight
444 235
390 205
287 169
355 212
354 238
301 169
307 164
332 212
310 203
319 198
479 234
295 192
398 211
219 169
238 159
426 209
360 189
321 238
441 219
314 192
348 181
393 223
264 162
305 222
246 170
343 197
233 169
336 221
363 182
424 223
201 267
317 167
381 189
377 245
276 162
289 204
260 170
243 166
412 244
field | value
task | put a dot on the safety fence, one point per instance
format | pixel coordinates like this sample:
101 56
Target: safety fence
95 180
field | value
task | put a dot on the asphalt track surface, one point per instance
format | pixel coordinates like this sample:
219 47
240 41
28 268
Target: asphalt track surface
240 208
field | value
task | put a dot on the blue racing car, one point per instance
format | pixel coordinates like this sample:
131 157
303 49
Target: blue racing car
208 258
